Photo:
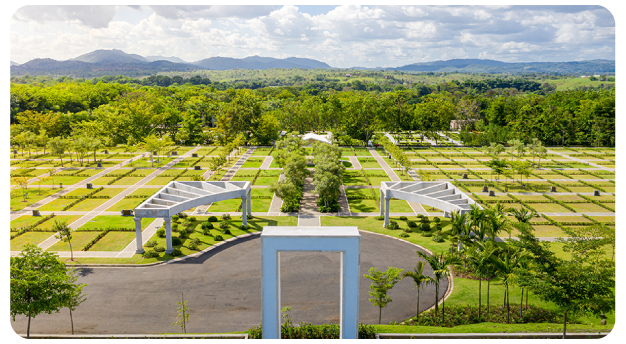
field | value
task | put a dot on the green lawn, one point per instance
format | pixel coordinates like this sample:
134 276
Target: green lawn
253 162
353 178
228 205
369 163
32 196
79 239
34 238
265 180
115 221
57 205
363 206
114 241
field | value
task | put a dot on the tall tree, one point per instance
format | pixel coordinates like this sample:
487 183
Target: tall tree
419 280
382 282
64 233
40 284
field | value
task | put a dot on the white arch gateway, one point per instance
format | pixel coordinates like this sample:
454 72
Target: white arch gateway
440 195
177 197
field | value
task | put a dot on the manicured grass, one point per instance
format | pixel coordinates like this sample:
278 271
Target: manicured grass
126 203
590 207
32 196
114 241
161 180
128 181
34 238
56 205
399 206
266 180
363 206
369 163
115 221
253 162
60 218
549 207
79 239
25 221
226 206
353 178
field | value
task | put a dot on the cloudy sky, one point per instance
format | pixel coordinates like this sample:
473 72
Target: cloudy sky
342 36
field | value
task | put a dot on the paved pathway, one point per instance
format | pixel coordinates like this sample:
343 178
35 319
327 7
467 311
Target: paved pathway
201 210
450 139
267 162
309 214
68 189
581 161
417 208
355 162
223 287
106 205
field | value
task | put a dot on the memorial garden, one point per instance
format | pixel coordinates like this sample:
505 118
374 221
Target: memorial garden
542 197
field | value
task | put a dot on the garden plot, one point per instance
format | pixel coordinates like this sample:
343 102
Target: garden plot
369 163
253 162
376 177
362 152
548 207
226 206
79 240
131 201
209 150
33 238
114 241
261 200
156 162
347 151
187 162
262 151
245 175
362 201
89 204
102 222
589 207
351 177
267 177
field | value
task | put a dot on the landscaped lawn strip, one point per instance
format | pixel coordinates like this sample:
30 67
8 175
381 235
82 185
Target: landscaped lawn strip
33 196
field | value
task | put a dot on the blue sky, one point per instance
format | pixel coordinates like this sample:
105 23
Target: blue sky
342 36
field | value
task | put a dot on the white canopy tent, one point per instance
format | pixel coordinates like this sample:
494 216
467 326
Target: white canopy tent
440 195
177 197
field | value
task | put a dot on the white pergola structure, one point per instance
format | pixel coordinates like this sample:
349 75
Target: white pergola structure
311 137
177 197
440 195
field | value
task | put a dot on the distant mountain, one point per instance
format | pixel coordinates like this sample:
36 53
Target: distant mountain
491 66
80 69
14 63
164 58
257 62
113 55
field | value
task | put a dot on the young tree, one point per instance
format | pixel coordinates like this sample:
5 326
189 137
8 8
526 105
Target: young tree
440 264
382 282
40 284
58 146
75 298
575 287
50 174
64 233
419 280
22 183
183 316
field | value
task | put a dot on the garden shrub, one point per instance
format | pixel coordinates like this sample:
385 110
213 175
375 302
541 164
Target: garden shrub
176 252
194 244
437 238
159 248
407 230
160 233
425 227
176 241
182 215
411 224
244 227
226 231
427 234
424 219
403 235
437 219
420 216
403 218
212 219
393 225
192 219
175 218
150 254
206 231
249 217
183 233
466 315
223 225
207 225
174 227
218 238
306 330
225 217
379 218
150 243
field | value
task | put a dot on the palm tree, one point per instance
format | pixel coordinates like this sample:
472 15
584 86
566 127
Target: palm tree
441 268
497 222
522 214
505 268
460 228
419 280
478 256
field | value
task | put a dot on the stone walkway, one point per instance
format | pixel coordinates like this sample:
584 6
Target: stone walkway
581 161
457 143
309 214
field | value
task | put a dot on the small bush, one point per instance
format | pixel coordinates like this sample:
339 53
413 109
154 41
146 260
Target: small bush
212 219
437 238
393 225
159 248
379 218
249 217
226 231
160 233
223 225
403 235
427 234
424 219
403 218
244 227
175 218
174 227
437 219
176 241
206 225
194 244
176 252
182 215
225 217
150 243
150 254
420 216
192 219
206 231
411 224
183 233
407 230
218 238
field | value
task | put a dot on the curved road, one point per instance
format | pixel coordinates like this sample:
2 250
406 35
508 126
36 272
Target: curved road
223 289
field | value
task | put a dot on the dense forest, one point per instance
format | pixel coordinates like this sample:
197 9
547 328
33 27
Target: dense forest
119 110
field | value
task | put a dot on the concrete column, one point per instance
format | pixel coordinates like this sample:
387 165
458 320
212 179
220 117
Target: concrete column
138 235
250 202
382 203
244 205
387 199
168 234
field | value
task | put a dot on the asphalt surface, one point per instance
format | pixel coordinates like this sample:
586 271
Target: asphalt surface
223 289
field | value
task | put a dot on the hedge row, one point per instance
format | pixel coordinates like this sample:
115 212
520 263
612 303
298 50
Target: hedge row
592 186
94 240
82 198
122 176
597 203
31 228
